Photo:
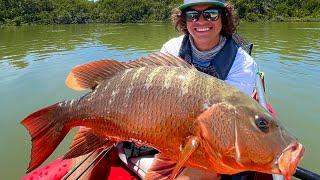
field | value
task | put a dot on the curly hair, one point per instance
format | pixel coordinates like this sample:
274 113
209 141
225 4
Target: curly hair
229 21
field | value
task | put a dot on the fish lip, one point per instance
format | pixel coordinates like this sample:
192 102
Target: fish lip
290 158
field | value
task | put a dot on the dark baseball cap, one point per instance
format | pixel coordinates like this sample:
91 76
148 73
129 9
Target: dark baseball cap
188 3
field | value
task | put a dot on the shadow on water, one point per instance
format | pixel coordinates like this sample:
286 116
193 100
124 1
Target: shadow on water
35 60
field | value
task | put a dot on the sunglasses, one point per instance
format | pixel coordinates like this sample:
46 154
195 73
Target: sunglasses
208 14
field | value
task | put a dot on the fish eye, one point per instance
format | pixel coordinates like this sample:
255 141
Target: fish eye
262 124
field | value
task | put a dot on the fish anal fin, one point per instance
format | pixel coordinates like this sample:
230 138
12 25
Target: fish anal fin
84 161
85 141
191 145
161 168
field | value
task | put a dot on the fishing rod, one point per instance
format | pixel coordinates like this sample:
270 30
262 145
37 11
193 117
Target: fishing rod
263 102
94 161
300 173
77 166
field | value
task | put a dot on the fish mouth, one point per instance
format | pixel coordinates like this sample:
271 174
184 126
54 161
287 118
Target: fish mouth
289 159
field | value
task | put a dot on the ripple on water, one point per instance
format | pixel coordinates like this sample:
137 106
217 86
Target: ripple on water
308 28
4 67
56 31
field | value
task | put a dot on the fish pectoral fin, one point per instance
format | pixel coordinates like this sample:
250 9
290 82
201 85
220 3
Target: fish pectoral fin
164 168
86 141
161 168
192 143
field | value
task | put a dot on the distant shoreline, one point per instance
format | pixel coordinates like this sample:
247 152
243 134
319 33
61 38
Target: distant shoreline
17 13
150 22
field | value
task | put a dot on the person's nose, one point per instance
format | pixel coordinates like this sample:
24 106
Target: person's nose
201 19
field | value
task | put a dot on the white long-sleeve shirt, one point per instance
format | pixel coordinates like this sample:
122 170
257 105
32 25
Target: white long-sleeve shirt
242 74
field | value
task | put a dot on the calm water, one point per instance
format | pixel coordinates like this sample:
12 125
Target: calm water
34 62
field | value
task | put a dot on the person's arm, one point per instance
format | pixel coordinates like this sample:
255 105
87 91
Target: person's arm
242 74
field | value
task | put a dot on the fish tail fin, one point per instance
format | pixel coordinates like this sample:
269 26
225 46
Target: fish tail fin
47 129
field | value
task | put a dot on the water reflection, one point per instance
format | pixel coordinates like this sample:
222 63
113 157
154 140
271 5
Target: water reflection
17 43
292 41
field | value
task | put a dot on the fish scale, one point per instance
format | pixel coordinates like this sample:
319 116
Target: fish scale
139 109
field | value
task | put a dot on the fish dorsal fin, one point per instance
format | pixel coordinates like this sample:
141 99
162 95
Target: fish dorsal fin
89 75
85 141
160 59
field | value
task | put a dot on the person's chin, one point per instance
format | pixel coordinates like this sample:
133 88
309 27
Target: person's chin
202 36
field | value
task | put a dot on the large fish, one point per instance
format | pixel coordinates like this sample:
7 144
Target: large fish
193 119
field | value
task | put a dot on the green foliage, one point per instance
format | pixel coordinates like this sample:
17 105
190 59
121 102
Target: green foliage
17 12
134 11
277 10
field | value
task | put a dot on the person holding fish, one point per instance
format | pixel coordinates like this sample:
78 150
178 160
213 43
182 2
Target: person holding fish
207 43
200 125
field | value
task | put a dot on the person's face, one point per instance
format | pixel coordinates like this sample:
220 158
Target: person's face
202 30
